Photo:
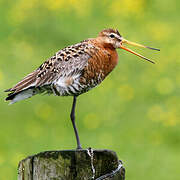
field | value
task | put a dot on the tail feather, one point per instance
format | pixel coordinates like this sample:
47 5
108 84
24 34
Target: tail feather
15 97
7 90
11 96
24 85
23 89
27 82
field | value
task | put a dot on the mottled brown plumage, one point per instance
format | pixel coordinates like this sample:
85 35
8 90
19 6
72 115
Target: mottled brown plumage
74 70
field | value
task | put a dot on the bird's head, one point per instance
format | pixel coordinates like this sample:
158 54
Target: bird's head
111 38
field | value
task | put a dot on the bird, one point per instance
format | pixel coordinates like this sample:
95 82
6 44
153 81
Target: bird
75 70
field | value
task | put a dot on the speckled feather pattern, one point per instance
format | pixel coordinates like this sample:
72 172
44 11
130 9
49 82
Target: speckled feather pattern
71 71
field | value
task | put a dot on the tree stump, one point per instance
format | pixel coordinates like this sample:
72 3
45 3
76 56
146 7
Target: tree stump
86 164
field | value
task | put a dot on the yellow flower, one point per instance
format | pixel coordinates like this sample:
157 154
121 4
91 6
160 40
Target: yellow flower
126 8
54 4
20 11
81 7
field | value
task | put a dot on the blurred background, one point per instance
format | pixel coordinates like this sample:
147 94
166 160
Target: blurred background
135 111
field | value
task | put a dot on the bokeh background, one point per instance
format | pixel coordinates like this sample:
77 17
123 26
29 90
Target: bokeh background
135 111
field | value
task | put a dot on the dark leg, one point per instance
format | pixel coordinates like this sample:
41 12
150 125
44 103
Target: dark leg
73 122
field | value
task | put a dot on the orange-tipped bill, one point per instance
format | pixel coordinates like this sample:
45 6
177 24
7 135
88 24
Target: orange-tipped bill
138 45
129 50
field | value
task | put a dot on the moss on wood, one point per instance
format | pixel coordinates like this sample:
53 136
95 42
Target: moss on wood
71 165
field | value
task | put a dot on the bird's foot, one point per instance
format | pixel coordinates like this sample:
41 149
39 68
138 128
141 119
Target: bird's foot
79 147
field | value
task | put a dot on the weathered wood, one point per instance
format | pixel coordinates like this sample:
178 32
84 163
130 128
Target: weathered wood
72 165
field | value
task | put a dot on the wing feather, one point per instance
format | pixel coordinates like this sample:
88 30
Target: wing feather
66 62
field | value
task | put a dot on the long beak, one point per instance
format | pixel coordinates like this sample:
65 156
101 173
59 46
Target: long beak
138 45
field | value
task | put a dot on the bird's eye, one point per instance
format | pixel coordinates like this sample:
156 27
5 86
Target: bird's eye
112 36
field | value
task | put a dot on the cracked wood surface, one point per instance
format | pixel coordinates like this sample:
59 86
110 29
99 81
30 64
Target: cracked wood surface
86 164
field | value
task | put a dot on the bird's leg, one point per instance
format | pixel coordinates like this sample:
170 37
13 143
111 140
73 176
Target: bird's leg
73 122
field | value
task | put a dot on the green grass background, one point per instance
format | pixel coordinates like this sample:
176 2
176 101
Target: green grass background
135 111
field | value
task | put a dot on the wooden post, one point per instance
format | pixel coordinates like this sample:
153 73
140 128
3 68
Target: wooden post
86 164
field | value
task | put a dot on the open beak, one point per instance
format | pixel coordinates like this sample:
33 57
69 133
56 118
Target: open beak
138 45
